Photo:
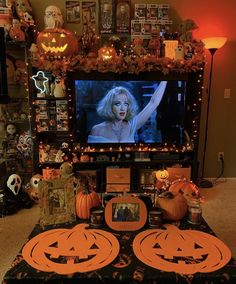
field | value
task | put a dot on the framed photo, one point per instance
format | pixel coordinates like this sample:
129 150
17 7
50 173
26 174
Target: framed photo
147 179
125 213
123 16
57 202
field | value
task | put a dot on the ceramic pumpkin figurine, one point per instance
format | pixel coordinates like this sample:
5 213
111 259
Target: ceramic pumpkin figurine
174 206
188 188
57 43
162 181
85 200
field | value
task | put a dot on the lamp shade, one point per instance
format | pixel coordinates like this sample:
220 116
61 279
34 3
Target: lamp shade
214 42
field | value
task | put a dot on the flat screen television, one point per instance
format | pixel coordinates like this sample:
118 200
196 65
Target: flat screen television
166 124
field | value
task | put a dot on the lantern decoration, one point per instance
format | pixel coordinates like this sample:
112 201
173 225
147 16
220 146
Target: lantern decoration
107 53
66 251
188 188
57 43
174 206
181 251
85 200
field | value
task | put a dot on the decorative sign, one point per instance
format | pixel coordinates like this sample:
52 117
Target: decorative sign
66 251
40 81
181 251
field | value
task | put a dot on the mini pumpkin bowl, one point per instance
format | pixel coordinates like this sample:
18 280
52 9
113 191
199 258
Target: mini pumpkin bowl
57 43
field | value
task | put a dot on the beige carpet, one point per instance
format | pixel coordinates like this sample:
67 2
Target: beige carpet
219 210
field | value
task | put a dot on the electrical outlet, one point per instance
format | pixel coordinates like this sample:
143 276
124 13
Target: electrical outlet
221 156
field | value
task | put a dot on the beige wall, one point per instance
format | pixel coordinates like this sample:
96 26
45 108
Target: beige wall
214 18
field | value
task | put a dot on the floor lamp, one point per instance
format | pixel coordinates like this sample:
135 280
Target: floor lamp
212 44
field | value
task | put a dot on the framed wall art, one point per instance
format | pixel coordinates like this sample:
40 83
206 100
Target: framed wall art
57 202
106 16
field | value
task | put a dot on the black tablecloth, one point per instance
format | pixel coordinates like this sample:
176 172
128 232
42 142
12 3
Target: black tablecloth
134 272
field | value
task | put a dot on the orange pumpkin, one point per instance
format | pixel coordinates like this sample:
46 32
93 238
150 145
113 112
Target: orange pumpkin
188 188
84 202
181 251
107 53
57 43
174 206
66 251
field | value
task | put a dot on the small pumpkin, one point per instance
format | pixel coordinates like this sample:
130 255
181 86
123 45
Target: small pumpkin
174 206
57 42
180 251
85 200
188 188
67 251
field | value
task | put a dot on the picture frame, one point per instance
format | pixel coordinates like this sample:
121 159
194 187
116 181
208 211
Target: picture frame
125 213
57 202
106 16
73 11
147 180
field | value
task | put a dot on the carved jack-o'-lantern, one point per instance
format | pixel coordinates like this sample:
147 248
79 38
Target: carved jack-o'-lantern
107 53
57 43
66 251
162 179
181 251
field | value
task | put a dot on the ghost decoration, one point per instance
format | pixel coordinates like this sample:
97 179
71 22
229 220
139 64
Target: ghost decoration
53 17
14 196
58 87
14 183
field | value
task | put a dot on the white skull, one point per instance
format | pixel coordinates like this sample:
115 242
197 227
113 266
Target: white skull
11 129
53 17
14 183
34 181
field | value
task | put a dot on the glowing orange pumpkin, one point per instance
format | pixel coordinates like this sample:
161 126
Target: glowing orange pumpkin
84 202
66 251
107 53
57 42
174 206
188 188
181 251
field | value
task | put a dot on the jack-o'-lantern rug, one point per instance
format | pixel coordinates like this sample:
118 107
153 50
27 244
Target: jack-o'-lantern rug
181 251
67 251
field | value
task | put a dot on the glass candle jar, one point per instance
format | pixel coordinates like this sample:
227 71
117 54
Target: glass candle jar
194 211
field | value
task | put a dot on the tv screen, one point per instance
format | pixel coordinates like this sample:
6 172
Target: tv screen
98 119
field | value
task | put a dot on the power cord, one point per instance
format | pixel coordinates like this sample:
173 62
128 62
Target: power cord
221 171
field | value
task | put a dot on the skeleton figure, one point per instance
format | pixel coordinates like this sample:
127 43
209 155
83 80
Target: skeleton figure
53 17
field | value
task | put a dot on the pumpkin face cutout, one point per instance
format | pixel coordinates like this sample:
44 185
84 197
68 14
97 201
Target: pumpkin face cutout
57 43
181 251
162 175
66 251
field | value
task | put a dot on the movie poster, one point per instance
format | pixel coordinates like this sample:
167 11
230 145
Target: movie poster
72 11
106 16
89 12
123 17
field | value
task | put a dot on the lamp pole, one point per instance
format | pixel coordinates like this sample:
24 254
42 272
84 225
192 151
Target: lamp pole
212 51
